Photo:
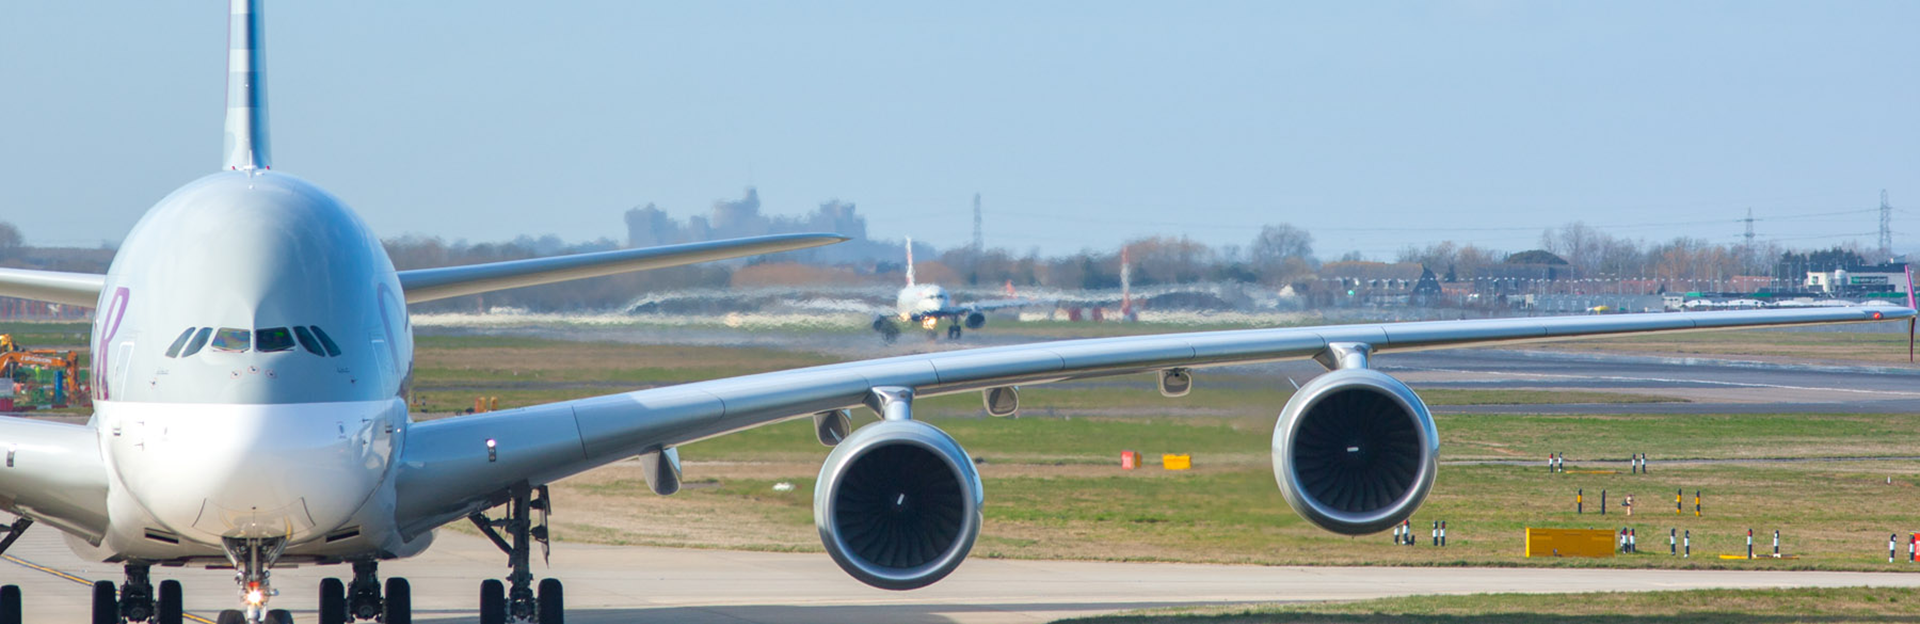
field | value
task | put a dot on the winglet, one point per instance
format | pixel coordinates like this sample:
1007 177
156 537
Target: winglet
909 261
246 140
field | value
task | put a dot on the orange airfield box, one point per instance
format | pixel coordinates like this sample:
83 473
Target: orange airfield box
1569 542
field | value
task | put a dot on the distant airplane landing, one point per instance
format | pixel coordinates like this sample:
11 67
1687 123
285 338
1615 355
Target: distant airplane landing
925 305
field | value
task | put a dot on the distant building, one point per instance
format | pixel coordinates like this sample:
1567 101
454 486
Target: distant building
1879 278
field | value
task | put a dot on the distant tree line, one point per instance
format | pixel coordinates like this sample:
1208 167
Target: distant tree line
1278 256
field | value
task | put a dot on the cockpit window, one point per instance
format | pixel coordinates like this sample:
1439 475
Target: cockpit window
199 340
273 339
325 341
232 340
181 342
307 342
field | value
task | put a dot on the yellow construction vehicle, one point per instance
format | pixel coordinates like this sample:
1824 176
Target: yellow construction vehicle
40 376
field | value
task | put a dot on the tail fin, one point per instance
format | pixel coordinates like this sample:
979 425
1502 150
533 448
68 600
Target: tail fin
246 141
909 260
1910 287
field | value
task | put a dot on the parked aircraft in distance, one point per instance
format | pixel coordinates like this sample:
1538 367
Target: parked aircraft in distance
252 354
925 305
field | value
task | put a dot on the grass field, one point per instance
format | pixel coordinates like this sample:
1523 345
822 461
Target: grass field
1850 605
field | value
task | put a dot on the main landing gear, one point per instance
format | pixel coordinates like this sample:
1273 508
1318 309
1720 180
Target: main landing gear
132 601
10 594
887 330
136 601
362 600
516 600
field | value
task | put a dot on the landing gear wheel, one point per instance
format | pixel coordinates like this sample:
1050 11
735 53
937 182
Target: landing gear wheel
169 610
333 601
363 593
106 610
493 602
10 604
399 601
888 331
953 331
231 616
279 616
553 602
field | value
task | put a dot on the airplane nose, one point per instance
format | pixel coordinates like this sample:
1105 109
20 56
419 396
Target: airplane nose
256 471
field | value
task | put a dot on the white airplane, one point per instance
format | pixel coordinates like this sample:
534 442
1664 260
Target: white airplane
925 305
251 355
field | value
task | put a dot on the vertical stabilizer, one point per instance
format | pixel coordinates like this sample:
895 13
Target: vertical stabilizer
246 142
909 260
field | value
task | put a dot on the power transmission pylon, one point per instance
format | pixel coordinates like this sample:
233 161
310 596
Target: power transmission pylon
1886 225
979 240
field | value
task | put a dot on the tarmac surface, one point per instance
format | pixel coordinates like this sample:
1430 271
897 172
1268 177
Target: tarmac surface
1711 386
626 584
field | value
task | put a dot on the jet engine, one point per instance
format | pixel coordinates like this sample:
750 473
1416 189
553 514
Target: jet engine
898 504
976 320
1355 451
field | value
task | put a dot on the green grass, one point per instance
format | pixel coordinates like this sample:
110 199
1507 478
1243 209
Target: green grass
1848 605
48 335
1832 516
1055 489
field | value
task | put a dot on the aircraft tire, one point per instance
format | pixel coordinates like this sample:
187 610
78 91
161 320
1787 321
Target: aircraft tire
106 610
553 602
231 616
169 609
333 601
9 604
493 602
279 616
399 602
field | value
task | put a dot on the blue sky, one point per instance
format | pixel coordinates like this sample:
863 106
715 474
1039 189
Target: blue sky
1373 125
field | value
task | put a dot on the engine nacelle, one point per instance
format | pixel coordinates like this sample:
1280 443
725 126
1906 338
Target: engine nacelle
1355 451
976 320
898 504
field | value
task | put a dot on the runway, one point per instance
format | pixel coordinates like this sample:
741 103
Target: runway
1710 385
628 584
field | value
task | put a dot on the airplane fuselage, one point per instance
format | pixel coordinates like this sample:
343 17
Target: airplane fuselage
916 302
251 353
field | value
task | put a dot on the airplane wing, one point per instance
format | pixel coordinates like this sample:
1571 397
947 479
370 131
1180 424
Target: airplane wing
998 304
962 310
454 281
78 289
456 466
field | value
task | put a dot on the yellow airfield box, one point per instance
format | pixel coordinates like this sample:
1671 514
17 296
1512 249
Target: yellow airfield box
1569 542
1176 462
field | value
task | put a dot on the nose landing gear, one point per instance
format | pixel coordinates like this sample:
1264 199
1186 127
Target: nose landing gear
516 601
251 557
